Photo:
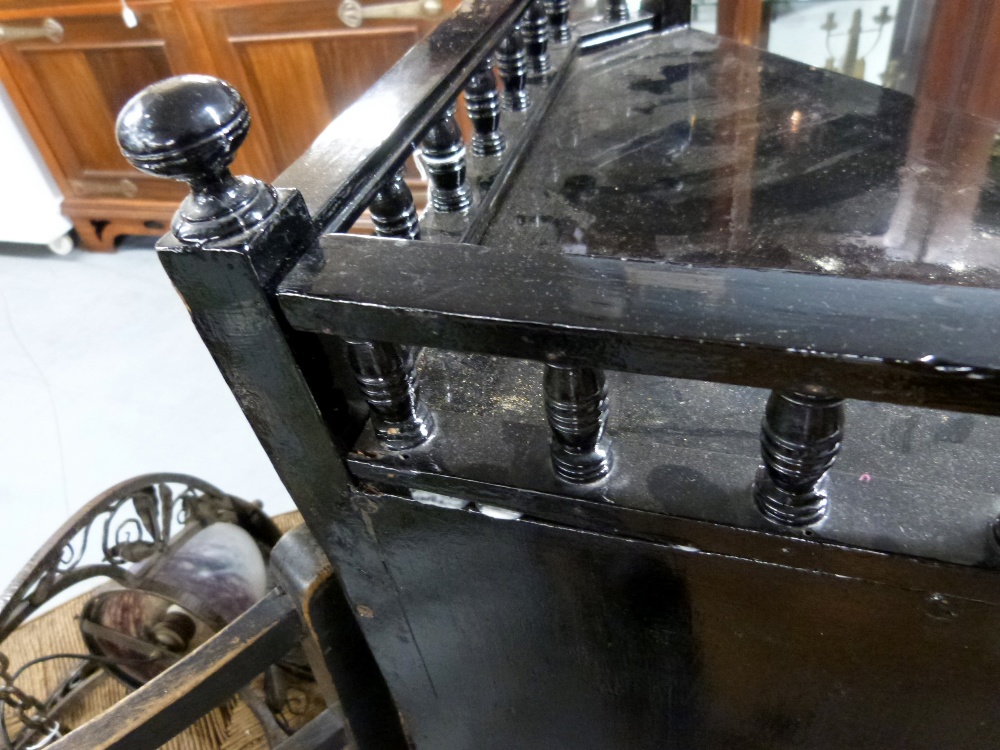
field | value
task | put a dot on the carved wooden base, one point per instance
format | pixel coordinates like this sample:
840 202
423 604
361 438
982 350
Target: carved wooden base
100 235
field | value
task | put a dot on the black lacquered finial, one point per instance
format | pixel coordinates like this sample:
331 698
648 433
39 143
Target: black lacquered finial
800 439
618 10
558 20
443 153
188 128
535 28
576 404
393 212
513 67
483 104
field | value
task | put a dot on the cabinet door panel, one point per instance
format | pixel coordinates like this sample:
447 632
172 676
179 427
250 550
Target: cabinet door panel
299 66
73 89
315 78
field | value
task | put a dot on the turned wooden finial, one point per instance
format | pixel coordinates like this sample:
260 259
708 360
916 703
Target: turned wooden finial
188 128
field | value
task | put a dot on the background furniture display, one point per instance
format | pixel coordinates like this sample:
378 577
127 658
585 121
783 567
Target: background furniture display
70 66
669 424
30 204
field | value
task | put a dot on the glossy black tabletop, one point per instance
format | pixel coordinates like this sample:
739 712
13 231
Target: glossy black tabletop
689 148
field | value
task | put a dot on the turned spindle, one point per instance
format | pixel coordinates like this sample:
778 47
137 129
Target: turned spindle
800 439
558 11
512 65
617 10
576 404
188 128
386 374
483 105
443 153
535 29
392 210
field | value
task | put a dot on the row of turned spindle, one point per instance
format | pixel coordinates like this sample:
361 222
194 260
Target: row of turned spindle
801 431
575 397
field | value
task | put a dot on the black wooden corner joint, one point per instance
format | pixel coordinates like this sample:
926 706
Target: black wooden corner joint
535 29
800 439
558 11
576 404
512 65
443 153
483 104
189 128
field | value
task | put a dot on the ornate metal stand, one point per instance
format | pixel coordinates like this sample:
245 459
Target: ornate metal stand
800 440
576 403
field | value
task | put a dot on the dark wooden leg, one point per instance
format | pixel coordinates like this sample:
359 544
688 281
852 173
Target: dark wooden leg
576 402
800 440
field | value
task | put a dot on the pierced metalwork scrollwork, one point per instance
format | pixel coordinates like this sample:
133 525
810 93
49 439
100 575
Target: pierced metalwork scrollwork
108 538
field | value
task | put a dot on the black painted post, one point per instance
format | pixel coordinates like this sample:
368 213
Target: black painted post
232 240
483 104
393 212
559 20
800 439
443 153
576 403
535 28
513 67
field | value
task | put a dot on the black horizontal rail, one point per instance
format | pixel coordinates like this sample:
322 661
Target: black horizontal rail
891 341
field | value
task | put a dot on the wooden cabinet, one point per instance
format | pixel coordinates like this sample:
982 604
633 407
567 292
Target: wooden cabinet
295 62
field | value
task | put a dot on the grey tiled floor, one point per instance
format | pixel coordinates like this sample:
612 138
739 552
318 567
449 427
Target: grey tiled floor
103 377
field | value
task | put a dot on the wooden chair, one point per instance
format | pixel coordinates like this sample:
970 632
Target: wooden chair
518 427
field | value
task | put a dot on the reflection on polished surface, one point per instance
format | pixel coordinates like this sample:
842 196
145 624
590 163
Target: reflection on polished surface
699 151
